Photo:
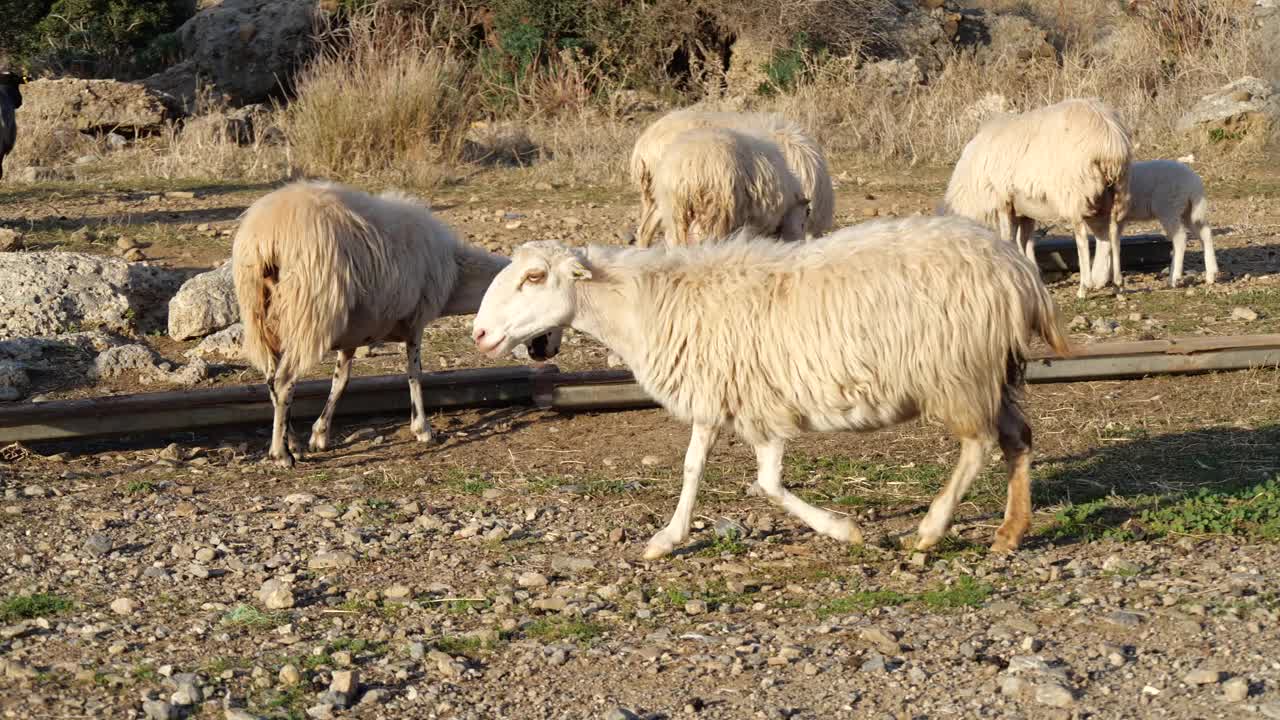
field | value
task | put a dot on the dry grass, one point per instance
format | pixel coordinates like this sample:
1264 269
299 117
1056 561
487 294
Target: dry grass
385 102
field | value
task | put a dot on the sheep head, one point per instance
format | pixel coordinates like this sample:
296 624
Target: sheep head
532 296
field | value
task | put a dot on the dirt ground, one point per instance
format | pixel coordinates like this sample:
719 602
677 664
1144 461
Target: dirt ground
497 572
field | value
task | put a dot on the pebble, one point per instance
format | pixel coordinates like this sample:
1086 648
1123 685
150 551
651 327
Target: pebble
98 544
1270 710
299 499
1054 695
122 606
883 641
650 460
276 595
621 713
1235 690
330 560
1011 686
158 710
1203 676
345 685
531 580
1117 564
1124 618
695 607
875 663
1244 314
398 592
326 512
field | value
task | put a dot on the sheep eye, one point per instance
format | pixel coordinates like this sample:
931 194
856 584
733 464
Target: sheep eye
534 277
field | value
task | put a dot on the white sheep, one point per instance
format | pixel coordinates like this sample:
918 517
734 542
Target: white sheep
714 181
319 267
1173 194
865 328
1067 162
803 155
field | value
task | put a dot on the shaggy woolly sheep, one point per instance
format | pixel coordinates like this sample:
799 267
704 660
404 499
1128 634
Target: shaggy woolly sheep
1067 162
803 156
1173 194
319 267
10 100
868 327
714 181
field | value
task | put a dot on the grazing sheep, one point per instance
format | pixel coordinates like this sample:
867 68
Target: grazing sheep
803 156
1173 194
865 328
1067 162
714 181
10 100
321 267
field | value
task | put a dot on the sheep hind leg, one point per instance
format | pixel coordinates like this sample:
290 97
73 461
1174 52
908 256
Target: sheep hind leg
769 462
1026 229
1015 443
676 532
418 423
1210 257
1177 234
973 452
341 374
280 388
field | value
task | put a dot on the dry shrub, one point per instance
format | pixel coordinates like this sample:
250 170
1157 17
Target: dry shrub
204 148
46 144
843 26
383 100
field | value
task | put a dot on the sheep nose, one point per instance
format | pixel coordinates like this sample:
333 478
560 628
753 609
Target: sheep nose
477 335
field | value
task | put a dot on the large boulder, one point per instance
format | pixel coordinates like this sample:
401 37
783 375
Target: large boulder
70 353
204 304
98 106
48 293
1247 109
246 48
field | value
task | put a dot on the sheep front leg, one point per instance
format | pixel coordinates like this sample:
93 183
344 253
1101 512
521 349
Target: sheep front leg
1177 234
1082 258
769 468
341 374
1027 237
280 388
418 424
1113 233
973 452
695 459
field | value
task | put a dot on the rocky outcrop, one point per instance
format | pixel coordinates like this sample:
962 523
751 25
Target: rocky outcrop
244 48
97 106
204 304
48 293
1245 110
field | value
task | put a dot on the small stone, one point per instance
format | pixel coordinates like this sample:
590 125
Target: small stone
341 658
180 195
1270 710
1203 676
1011 686
882 641
1118 565
98 544
1078 322
276 595
205 555
650 460
289 676
621 713
1027 664
331 560
11 240
1032 644
919 559
1054 695
875 663
1124 618
158 710
531 580
299 499
326 512
695 607
617 535
122 606
320 711
135 255
345 685
1243 314
398 592
1235 690
230 713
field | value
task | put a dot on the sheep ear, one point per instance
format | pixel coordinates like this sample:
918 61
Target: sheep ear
578 271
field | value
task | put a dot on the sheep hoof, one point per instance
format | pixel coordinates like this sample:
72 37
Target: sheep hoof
658 547
1082 293
1004 545
847 532
318 443
284 461
754 490
424 435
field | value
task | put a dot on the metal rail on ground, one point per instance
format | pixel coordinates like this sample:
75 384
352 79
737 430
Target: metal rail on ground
547 387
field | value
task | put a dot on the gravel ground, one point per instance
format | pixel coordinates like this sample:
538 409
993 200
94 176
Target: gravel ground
498 573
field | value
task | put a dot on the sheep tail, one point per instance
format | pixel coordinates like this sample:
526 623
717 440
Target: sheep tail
293 277
1047 323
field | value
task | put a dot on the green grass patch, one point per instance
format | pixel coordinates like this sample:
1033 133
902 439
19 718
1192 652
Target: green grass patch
464 481
464 606
25 607
862 601
554 629
251 617
1252 512
966 592
140 487
728 542
357 647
